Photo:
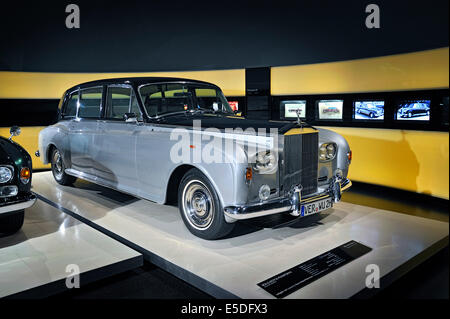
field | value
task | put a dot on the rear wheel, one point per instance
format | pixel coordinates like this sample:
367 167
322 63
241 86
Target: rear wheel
200 207
12 222
58 169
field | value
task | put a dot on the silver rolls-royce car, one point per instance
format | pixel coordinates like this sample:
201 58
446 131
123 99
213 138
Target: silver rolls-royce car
174 140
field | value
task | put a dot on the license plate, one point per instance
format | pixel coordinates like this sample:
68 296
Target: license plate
316 207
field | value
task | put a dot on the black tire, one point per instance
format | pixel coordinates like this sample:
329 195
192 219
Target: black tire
371 115
200 207
58 168
11 222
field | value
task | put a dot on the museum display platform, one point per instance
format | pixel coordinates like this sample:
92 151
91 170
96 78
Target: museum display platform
33 261
233 267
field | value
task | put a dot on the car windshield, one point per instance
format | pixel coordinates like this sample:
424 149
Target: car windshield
173 98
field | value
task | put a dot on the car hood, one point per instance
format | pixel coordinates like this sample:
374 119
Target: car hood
223 122
11 151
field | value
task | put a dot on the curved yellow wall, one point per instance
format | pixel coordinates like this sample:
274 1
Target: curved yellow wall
416 161
410 71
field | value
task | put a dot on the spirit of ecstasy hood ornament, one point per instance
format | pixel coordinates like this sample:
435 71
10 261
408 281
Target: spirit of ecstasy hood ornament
299 121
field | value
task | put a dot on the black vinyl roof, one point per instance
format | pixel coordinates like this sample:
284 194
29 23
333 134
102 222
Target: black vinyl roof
137 81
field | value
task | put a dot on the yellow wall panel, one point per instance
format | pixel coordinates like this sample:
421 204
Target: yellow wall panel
31 85
416 161
411 71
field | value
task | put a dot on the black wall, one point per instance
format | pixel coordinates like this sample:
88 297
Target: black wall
191 35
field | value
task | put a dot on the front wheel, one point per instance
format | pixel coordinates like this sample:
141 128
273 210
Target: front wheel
58 169
200 207
11 223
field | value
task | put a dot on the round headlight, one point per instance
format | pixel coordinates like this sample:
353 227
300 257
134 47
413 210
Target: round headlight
327 151
6 174
265 162
331 150
264 192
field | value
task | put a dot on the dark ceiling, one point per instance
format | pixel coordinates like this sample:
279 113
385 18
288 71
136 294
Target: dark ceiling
138 36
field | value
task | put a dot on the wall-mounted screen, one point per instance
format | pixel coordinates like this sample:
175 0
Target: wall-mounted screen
414 110
368 110
330 109
288 109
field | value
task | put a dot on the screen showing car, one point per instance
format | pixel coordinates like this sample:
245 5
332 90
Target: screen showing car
368 110
289 109
330 109
414 110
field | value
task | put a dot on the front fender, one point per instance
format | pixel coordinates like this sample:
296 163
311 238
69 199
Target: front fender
342 161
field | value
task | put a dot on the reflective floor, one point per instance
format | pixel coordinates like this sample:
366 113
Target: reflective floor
48 242
236 264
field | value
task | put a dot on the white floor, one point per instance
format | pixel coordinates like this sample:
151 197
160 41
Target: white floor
48 242
235 265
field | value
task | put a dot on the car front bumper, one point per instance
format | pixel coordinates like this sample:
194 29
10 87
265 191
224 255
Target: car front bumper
292 203
19 204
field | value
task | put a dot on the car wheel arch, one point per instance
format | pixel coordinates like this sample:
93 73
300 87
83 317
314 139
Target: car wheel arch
175 177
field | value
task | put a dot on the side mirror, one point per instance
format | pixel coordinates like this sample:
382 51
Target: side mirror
14 131
130 117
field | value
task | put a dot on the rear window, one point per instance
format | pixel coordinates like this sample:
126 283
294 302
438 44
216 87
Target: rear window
90 102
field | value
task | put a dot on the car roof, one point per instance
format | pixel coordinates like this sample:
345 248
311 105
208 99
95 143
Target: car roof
137 81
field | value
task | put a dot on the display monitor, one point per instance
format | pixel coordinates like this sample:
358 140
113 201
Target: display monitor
288 109
330 109
413 110
368 110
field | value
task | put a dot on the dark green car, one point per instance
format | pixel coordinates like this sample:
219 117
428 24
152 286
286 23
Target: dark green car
15 184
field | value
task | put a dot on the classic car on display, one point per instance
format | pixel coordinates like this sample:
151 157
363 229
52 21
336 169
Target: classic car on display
370 110
133 135
414 109
330 109
15 184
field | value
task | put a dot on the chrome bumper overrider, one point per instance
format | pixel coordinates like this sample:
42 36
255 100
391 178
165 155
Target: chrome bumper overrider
292 203
18 205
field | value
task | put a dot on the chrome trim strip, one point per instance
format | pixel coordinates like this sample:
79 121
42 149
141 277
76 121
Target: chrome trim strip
18 206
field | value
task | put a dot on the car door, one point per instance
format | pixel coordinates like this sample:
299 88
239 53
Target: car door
83 128
115 161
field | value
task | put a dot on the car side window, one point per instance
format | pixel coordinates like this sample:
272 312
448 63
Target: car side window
90 102
71 106
121 100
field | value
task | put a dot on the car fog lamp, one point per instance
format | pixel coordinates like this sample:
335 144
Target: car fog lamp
25 175
5 174
264 192
8 191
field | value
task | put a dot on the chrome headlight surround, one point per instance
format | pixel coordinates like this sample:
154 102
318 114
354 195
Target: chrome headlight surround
327 152
6 173
265 162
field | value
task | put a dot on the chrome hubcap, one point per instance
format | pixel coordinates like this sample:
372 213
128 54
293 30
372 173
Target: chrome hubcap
57 165
198 206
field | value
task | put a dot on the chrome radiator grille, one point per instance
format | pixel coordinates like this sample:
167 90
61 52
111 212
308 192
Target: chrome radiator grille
300 162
